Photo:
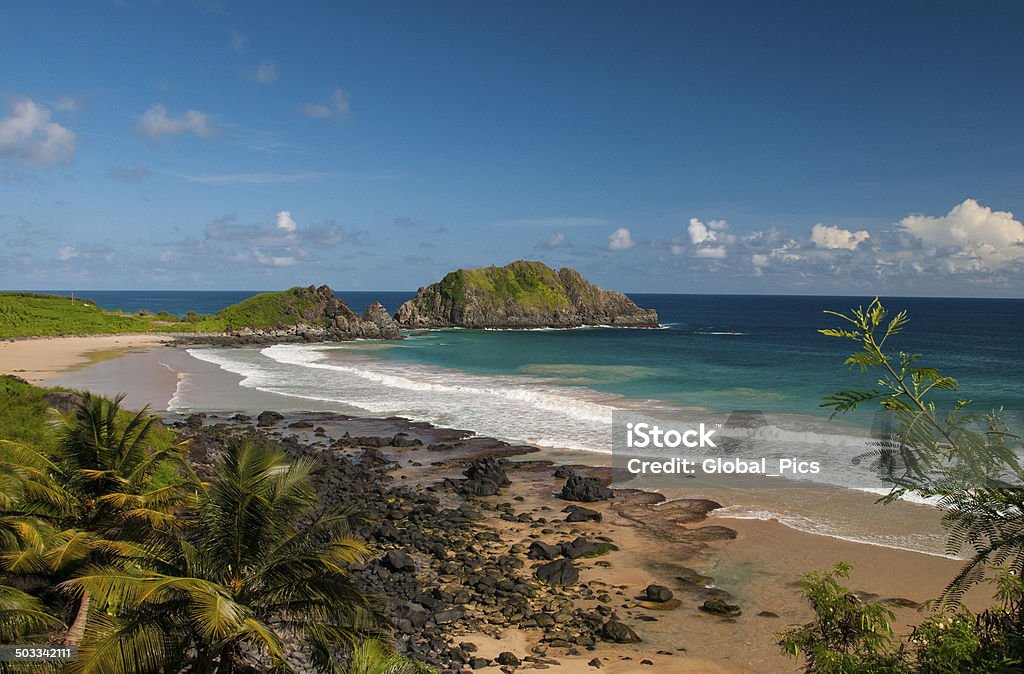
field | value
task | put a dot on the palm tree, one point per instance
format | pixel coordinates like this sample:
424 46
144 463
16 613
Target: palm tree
371 656
259 567
22 472
95 500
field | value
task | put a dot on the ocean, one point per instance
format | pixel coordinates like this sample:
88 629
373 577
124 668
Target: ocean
715 356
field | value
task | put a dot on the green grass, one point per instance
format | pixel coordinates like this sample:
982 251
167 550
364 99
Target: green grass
24 414
26 418
522 284
269 310
36 315
25 314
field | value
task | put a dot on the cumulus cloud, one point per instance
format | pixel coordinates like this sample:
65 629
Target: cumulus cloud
285 222
156 123
336 106
710 239
700 232
29 133
266 72
621 239
827 236
973 237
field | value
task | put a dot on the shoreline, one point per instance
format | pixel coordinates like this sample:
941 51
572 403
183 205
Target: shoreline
38 359
758 565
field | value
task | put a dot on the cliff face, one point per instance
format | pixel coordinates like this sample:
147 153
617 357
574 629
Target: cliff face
520 295
305 314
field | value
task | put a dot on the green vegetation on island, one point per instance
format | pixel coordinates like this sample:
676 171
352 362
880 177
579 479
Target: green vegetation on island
522 294
299 311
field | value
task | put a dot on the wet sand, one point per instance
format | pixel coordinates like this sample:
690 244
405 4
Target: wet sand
39 359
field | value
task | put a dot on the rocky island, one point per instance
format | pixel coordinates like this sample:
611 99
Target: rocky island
520 295
311 314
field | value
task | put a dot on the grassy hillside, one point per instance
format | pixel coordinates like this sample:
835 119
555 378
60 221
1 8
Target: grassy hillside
33 314
524 284
268 310
25 314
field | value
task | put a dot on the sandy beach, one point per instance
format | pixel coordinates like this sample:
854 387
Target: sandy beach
756 565
39 359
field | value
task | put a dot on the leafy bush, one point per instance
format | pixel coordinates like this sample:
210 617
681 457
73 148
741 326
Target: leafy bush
847 635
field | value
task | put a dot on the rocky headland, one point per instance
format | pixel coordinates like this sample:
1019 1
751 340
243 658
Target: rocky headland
520 295
311 314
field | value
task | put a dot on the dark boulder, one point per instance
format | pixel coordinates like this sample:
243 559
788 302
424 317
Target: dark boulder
581 514
658 593
585 489
561 572
485 477
720 607
268 418
507 658
398 560
619 633
540 550
578 548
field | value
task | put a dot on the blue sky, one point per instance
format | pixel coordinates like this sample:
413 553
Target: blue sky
674 147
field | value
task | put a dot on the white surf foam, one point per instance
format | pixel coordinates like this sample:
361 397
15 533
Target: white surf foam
819 527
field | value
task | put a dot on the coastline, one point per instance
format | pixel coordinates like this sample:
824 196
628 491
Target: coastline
757 565
38 359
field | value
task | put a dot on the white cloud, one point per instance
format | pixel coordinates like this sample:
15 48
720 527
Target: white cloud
975 236
266 72
620 239
831 237
29 133
65 253
759 260
337 106
712 252
699 232
285 222
155 123
555 240
703 235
